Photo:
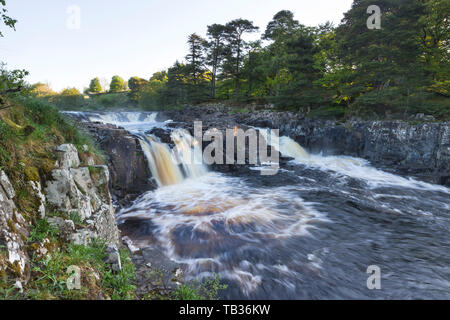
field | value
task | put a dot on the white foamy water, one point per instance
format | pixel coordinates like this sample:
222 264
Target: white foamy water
347 166
222 211
121 118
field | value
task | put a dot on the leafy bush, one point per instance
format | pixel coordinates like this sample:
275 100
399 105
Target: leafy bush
206 290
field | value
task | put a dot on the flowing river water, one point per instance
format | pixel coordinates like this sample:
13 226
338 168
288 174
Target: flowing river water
309 232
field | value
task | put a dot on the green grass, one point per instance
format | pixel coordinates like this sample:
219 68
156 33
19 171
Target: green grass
50 274
41 231
206 290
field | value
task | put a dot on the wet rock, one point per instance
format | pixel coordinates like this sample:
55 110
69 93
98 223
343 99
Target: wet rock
155 273
162 134
129 172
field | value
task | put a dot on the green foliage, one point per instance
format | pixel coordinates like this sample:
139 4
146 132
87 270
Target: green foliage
95 86
4 18
136 85
68 99
117 84
41 90
42 230
399 70
206 290
44 114
347 70
11 82
50 274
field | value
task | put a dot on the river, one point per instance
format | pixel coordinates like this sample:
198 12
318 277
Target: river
309 232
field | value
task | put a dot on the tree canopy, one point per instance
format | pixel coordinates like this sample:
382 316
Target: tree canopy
95 86
117 84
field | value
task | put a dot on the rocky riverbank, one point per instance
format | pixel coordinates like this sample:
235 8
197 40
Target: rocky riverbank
74 203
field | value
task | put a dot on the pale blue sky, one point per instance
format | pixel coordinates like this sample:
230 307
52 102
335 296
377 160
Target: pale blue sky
129 38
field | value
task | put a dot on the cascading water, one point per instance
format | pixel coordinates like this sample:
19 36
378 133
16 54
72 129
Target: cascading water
343 165
190 157
161 162
309 232
165 163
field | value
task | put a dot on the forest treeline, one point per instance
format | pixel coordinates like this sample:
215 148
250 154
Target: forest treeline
398 70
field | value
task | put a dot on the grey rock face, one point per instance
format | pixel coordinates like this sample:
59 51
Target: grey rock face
74 190
11 227
6 185
37 188
67 156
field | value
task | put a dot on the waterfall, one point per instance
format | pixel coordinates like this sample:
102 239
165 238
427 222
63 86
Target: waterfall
123 117
164 163
190 157
285 145
161 162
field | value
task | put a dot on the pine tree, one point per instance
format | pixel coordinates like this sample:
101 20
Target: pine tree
215 52
235 49
195 57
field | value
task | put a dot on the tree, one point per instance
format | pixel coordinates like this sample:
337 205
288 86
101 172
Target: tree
235 50
7 21
11 83
386 64
42 90
280 30
70 92
195 56
95 86
281 27
153 95
300 91
215 52
160 76
136 85
68 99
435 42
117 84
